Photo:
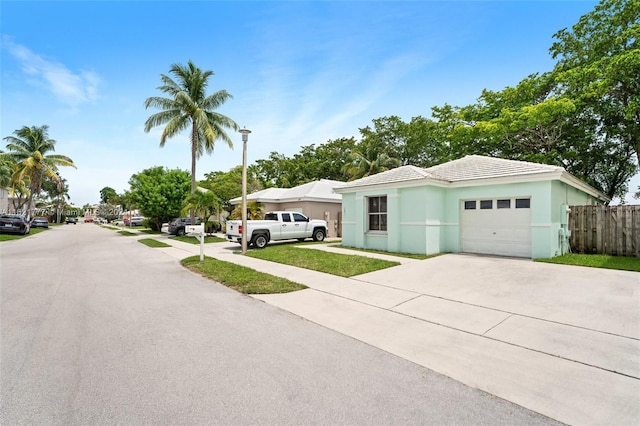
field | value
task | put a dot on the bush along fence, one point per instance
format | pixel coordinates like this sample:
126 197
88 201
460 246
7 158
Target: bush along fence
612 230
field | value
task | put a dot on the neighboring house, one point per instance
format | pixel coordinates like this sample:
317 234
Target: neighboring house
4 200
316 199
7 205
475 204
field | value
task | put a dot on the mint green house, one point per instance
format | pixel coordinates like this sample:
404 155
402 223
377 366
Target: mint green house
475 204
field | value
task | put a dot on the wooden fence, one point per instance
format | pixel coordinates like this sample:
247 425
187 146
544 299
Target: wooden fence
613 230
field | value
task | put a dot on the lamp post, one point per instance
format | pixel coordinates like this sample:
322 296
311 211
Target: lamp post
245 138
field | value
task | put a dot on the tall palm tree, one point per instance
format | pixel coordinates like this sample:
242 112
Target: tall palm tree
189 107
30 150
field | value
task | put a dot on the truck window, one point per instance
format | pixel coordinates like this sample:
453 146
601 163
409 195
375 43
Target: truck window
271 216
297 217
286 217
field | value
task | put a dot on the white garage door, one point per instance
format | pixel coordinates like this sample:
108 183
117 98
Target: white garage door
497 226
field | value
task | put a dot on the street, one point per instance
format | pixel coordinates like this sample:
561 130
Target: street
97 328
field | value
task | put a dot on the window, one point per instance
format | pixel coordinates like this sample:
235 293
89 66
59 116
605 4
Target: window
523 203
297 217
286 217
469 205
504 204
486 204
377 213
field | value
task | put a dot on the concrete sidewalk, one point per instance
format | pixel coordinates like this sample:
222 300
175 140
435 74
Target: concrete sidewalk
521 348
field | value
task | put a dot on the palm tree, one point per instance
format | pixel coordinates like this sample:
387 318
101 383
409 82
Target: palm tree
367 162
189 107
30 150
204 203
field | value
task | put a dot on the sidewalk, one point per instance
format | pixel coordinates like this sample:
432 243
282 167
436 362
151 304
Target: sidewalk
593 378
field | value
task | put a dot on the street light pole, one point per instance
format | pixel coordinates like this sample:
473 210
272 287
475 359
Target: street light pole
245 138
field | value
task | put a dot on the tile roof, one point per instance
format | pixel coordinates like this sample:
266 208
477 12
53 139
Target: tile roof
470 167
399 174
319 190
481 167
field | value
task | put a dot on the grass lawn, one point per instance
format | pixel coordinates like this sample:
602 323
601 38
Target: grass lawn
597 261
9 237
150 231
332 263
127 233
407 255
194 240
153 242
240 278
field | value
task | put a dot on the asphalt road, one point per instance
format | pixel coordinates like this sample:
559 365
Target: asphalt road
97 328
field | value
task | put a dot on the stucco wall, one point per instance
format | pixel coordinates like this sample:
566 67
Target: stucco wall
426 219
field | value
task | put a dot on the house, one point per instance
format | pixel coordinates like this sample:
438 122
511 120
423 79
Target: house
316 199
475 204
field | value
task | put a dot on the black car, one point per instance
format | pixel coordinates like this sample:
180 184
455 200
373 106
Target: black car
14 224
39 222
71 220
176 226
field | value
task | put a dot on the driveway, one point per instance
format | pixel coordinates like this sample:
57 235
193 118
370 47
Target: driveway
559 340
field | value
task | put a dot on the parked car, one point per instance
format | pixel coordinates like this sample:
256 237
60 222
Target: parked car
137 220
176 226
71 220
39 222
14 224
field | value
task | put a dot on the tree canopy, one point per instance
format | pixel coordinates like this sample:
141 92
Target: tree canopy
159 193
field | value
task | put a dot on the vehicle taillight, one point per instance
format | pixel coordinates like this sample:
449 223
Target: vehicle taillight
240 229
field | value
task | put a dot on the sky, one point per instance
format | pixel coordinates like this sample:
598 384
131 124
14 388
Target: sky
300 72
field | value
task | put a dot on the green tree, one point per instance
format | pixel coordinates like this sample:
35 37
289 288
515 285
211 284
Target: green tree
6 170
367 160
599 67
108 195
255 211
159 193
228 185
188 107
30 150
204 203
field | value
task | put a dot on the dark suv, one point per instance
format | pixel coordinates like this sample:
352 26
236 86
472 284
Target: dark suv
176 226
14 224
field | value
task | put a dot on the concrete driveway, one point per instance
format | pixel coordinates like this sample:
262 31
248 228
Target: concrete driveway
560 340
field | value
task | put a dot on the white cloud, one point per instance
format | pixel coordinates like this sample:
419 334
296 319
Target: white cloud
71 88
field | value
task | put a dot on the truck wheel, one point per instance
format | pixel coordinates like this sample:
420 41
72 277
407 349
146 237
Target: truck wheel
318 234
260 241
180 232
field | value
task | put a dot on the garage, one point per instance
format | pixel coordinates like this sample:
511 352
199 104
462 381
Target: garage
498 226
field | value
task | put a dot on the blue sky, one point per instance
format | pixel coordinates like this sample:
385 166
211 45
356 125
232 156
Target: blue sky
300 72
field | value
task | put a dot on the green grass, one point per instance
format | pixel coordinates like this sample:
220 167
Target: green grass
153 242
343 265
240 278
10 237
150 231
194 240
597 261
407 255
110 227
127 233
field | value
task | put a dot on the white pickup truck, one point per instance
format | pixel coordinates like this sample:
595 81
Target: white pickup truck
277 226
